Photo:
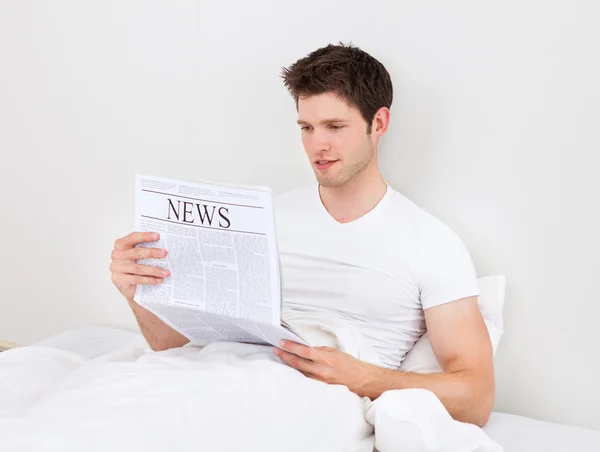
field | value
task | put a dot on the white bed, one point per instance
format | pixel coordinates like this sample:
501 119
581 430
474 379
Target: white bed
514 433
522 434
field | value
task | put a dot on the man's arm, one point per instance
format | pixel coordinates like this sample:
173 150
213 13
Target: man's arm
461 344
127 273
157 333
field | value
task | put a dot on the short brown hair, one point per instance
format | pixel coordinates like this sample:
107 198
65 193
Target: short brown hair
346 70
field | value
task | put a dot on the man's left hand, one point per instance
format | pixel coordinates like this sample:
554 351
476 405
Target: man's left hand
329 365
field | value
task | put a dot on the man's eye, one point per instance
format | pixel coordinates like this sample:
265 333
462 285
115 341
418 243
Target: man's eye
304 127
334 127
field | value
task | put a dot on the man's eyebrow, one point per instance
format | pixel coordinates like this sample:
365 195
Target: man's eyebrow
324 121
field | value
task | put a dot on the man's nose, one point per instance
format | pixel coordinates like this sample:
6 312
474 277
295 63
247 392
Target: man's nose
319 142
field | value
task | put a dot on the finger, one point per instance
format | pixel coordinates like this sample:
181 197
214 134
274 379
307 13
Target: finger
134 238
326 349
133 254
298 349
298 363
123 280
138 269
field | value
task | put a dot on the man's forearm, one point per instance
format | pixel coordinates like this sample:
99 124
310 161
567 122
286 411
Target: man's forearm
157 333
467 397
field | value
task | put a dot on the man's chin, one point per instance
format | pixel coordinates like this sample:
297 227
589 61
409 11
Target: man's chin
329 182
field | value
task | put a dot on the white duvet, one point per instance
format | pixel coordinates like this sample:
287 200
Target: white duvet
223 397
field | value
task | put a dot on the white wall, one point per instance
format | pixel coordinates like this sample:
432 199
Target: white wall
495 130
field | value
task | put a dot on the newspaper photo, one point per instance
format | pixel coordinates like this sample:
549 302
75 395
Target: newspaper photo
225 282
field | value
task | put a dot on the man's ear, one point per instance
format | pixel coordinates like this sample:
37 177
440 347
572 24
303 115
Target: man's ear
381 121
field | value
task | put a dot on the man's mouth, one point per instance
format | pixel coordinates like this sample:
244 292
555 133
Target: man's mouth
324 164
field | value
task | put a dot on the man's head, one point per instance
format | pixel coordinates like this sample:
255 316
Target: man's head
343 96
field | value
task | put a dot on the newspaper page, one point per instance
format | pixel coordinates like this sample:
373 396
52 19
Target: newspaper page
225 282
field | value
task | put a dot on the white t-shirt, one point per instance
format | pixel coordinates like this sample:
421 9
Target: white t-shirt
376 274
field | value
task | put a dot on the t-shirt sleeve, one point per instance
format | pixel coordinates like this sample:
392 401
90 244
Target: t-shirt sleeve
445 270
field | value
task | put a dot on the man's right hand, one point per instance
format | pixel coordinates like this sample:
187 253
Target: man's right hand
126 273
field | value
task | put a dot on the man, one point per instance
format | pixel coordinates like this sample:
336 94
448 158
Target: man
356 251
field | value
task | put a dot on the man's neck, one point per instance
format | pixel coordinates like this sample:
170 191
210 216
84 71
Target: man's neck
355 198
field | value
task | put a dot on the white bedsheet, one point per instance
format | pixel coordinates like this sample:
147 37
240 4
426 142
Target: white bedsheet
92 341
522 434
225 397
513 433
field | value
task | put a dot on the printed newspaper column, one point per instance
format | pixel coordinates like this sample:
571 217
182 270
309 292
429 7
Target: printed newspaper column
221 247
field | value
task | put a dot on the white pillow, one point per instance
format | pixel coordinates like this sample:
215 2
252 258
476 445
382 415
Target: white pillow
421 359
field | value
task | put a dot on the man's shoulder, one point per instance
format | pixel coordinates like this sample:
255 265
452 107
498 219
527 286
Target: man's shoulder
423 225
441 263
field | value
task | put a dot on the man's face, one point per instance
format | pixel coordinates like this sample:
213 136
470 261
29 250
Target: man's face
335 138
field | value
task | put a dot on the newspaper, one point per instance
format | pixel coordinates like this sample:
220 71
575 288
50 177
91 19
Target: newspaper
225 282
